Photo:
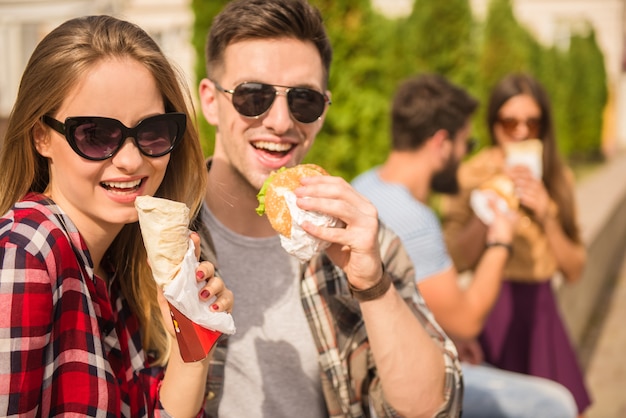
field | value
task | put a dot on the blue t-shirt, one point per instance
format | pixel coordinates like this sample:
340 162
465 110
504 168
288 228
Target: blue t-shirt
415 223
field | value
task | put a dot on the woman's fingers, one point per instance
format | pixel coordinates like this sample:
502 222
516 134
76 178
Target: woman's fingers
214 288
196 243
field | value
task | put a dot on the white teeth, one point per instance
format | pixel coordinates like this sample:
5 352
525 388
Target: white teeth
122 184
272 146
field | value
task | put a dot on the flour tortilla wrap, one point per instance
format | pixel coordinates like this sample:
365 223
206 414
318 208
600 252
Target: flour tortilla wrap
171 253
165 228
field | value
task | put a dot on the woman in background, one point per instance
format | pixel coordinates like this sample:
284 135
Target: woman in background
524 332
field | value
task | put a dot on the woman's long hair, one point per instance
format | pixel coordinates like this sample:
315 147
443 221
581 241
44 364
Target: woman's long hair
59 61
554 173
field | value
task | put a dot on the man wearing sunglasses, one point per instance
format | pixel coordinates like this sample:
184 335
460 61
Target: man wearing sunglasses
305 345
430 132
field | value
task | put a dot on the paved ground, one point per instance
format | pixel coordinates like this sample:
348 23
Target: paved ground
606 371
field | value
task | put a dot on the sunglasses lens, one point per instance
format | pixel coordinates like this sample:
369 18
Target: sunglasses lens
306 105
156 136
508 125
533 127
96 138
471 145
253 99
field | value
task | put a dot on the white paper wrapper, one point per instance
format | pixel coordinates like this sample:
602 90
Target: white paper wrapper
301 244
182 293
479 201
529 160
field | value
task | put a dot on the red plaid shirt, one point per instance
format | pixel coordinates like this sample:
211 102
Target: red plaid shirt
68 345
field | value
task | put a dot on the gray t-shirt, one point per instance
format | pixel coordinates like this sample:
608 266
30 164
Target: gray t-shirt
415 223
271 365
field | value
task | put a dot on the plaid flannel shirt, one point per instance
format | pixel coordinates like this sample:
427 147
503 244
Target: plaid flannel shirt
349 377
68 345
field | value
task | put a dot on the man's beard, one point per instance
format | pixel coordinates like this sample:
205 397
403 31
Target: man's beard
445 181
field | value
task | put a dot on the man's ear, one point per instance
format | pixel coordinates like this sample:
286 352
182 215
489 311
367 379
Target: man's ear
41 138
440 143
208 100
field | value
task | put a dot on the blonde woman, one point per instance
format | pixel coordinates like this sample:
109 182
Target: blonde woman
101 117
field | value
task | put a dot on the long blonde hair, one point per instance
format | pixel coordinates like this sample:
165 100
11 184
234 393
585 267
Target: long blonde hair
59 60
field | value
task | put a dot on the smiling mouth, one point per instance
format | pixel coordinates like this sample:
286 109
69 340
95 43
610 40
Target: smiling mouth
122 186
274 148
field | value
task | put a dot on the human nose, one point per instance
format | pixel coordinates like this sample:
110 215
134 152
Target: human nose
522 130
279 117
128 157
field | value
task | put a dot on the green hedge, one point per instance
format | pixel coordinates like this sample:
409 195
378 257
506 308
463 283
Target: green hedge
372 54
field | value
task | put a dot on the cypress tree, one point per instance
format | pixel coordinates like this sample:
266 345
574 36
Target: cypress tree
505 49
588 96
203 12
441 39
355 135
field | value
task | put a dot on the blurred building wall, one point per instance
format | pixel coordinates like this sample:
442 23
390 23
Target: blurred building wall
24 22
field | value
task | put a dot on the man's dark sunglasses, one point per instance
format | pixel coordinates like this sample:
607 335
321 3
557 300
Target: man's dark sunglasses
254 99
96 138
471 144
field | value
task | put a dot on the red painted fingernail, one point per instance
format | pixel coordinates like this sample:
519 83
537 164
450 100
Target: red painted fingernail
200 274
205 293
215 306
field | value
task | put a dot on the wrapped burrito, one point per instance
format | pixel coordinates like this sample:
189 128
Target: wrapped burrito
171 253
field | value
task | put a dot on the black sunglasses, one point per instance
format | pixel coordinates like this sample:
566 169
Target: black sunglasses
254 99
96 138
471 145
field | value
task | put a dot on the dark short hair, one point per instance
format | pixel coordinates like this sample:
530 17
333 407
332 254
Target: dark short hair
423 105
266 19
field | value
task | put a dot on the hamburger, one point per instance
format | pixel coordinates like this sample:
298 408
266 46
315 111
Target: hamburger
271 197
504 188
278 202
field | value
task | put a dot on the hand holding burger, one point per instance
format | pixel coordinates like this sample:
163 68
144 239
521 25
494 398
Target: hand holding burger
504 188
500 191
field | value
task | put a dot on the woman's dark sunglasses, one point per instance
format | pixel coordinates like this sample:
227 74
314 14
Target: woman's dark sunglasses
509 125
254 99
96 138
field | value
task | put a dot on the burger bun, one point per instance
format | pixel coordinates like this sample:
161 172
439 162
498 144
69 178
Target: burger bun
276 208
504 188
